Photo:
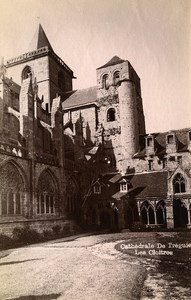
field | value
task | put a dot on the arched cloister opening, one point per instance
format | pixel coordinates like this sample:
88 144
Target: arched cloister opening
147 213
12 190
180 213
161 212
105 220
72 191
91 217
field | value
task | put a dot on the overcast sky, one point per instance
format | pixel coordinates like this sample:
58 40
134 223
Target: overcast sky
154 35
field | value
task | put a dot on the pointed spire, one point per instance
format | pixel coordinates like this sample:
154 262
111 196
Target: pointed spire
42 39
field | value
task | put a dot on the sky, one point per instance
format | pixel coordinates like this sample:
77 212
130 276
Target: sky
154 35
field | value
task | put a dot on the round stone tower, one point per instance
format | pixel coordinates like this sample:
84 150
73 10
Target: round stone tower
128 120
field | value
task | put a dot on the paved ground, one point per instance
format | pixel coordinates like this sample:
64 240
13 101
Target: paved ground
86 268
96 267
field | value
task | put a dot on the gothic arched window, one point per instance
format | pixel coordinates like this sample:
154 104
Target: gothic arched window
179 184
161 212
47 193
105 81
11 190
116 77
111 115
147 213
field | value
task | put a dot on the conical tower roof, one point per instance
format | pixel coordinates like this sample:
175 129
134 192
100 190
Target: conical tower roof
39 40
42 40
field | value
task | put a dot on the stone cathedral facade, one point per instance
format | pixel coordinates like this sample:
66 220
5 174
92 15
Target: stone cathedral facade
84 155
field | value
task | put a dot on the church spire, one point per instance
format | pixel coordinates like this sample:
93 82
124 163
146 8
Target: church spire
42 40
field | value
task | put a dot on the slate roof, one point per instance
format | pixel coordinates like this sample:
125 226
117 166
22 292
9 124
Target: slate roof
80 97
142 186
153 184
160 142
114 61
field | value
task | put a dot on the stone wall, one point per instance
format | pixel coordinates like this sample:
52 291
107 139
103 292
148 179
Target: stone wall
38 225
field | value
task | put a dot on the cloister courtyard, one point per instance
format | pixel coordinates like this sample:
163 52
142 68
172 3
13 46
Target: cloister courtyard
129 265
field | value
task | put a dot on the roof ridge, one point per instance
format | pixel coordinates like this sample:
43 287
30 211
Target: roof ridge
113 61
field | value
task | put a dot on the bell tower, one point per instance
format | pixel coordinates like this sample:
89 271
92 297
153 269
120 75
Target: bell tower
120 110
52 75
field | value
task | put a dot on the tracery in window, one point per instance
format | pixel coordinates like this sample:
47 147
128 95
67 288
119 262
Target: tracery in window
11 190
179 184
47 194
147 213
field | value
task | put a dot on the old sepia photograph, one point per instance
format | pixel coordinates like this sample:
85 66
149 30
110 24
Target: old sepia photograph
95 149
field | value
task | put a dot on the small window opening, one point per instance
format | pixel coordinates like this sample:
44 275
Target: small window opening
47 107
111 115
116 77
105 81
149 141
170 139
123 187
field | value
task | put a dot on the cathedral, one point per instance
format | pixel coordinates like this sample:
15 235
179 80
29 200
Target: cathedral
84 155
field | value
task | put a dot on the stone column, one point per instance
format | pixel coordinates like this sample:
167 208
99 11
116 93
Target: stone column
15 203
155 216
169 212
0 206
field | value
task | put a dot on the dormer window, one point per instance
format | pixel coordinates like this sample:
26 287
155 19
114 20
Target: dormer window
170 139
111 115
123 186
116 77
149 145
105 81
149 141
97 188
